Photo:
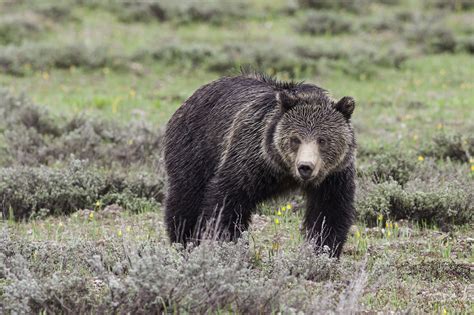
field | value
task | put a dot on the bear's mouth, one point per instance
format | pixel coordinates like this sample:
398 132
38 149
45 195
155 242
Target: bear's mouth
311 182
305 179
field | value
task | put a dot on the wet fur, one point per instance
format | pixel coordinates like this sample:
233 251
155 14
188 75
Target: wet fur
223 156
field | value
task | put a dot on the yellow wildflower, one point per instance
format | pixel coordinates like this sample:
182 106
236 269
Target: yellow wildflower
283 208
388 233
91 215
98 203
472 168
279 213
128 229
289 206
115 104
380 217
277 221
275 246
357 234
421 158
258 256
119 233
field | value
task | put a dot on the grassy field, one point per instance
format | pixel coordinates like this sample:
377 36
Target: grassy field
86 88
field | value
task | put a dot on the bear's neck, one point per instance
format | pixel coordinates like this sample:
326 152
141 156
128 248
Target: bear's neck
270 151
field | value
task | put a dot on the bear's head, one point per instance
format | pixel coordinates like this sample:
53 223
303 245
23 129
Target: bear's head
314 136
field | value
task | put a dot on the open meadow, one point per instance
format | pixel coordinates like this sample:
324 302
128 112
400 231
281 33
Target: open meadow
86 89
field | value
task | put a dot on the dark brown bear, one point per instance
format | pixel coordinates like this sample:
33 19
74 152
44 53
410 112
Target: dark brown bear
242 140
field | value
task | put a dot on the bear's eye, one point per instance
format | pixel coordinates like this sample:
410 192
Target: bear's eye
322 141
294 142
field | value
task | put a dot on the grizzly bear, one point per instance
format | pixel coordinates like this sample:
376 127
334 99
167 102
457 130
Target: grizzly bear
241 140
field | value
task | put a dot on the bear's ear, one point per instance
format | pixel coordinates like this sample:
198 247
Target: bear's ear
346 106
286 100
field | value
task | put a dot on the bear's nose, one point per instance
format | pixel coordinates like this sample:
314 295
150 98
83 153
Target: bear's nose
305 170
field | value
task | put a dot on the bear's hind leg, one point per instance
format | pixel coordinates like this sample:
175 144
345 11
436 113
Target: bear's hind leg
189 171
182 213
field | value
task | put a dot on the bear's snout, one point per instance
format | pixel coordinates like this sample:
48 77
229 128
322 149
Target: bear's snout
305 170
308 160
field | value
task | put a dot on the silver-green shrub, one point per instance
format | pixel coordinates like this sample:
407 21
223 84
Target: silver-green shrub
116 277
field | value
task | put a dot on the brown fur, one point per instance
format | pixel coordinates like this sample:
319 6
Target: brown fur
232 145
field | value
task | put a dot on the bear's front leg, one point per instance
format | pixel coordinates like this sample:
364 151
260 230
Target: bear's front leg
330 210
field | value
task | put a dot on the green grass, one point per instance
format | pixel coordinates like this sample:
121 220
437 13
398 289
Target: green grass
383 103
109 94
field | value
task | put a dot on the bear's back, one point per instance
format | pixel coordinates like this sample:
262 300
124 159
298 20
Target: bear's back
247 102
212 109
